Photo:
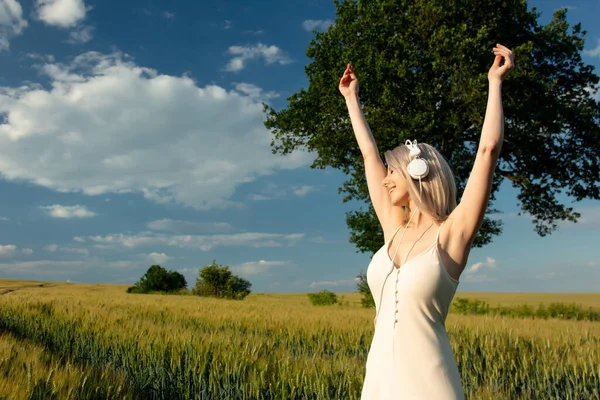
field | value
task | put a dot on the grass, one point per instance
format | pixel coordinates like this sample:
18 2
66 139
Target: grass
275 346
29 371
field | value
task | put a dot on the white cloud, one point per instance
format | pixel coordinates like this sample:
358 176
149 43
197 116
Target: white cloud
45 267
110 126
269 192
259 197
7 250
271 55
58 211
202 242
188 270
76 250
122 264
340 283
81 35
318 24
546 276
321 240
303 190
488 263
27 252
168 15
254 32
227 25
594 91
595 52
178 226
61 13
11 22
254 91
51 248
590 217
272 191
477 278
4 219
259 267
158 258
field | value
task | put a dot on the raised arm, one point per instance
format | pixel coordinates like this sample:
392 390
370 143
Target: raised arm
375 170
468 215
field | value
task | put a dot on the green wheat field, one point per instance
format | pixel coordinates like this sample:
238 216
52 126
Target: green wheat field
84 341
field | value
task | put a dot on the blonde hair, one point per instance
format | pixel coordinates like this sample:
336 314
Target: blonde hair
438 194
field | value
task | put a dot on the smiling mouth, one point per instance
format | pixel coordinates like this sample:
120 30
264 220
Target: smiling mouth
390 191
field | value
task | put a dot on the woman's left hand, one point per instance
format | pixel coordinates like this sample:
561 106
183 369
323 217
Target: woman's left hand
498 72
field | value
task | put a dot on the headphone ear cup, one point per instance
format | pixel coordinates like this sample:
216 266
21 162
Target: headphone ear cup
418 168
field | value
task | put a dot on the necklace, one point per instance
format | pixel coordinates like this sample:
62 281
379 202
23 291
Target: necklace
413 245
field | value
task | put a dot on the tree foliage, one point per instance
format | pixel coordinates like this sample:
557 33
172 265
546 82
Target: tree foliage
422 68
158 279
362 286
218 281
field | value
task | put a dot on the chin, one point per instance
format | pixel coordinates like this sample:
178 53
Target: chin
398 201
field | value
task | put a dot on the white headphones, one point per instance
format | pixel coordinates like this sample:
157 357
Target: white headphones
418 167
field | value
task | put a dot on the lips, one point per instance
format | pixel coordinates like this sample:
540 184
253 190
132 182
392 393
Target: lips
391 190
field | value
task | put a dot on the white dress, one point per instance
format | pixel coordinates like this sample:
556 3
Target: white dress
410 356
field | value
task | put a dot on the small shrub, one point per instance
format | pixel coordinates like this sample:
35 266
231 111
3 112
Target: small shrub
362 285
323 298
218 281
554 310
470 307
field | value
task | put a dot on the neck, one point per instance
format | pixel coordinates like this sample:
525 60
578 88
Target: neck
420 220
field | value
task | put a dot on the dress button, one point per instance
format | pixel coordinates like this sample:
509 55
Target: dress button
396 311
396 321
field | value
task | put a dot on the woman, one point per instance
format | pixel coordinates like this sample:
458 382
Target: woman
414 276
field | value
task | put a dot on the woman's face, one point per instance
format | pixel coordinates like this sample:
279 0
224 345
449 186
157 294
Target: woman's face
397 187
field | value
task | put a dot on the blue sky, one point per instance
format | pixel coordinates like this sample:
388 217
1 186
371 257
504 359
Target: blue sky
133 134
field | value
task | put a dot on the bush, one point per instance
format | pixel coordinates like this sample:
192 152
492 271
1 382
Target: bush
469 307
218 281
323 298
366 300
554 310
158 279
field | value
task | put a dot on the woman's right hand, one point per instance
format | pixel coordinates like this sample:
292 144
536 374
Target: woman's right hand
349 83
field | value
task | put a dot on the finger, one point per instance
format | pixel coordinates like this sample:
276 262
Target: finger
503 47
503 54
497 60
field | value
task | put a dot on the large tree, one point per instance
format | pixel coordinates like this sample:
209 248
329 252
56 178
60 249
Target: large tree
422 67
